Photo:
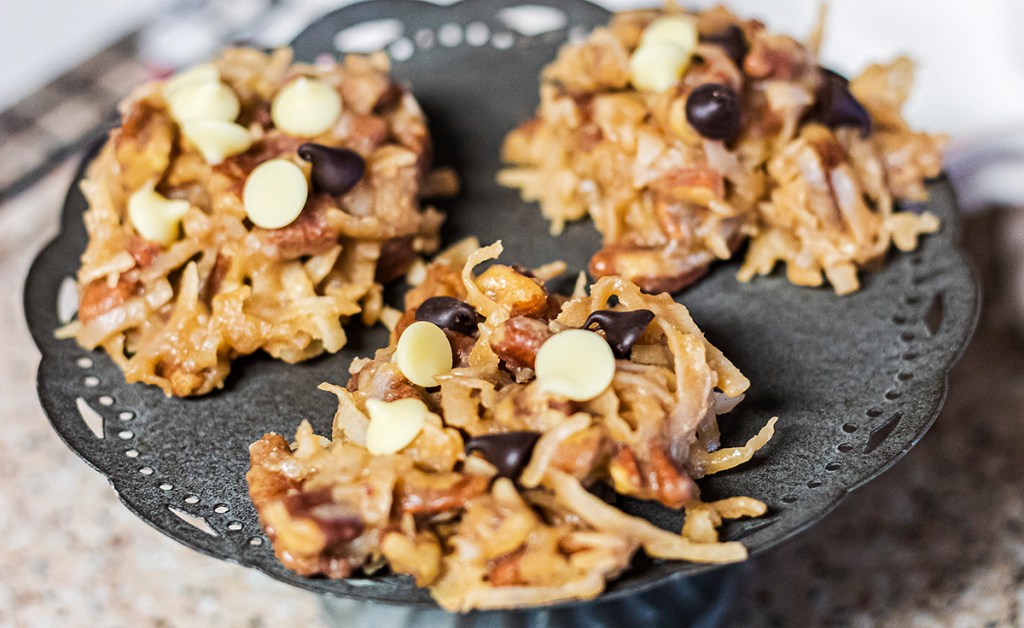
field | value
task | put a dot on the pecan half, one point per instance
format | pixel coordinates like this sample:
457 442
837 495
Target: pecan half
518 340
650 476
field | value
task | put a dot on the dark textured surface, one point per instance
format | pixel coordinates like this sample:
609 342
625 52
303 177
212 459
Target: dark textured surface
838 371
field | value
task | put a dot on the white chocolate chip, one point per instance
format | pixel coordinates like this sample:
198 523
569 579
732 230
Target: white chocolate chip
576 363
657 66
306 107
394 424
217 139
680 30
208 100
275 194
423 353
196 75
155 217
665 50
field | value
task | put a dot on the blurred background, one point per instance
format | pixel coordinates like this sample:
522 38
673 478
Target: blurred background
65 64
939 540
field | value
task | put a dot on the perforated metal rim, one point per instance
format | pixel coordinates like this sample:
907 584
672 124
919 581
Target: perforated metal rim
856 380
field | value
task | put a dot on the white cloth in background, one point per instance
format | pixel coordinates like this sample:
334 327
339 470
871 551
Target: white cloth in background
969 56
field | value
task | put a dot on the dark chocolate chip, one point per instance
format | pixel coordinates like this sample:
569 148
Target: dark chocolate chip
835 106
509 452
621 329
449 313
714 111
335 170
732 41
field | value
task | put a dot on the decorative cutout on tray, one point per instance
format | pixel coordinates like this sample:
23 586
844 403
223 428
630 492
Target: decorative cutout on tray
193 520
369 36
936 312
531 20
67 300
882 432
92 419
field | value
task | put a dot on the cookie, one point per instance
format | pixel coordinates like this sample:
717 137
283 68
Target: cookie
464 452
250 204
684 135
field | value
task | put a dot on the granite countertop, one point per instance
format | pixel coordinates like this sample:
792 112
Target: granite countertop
937 540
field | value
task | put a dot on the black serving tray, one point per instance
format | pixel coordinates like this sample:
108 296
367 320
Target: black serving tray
855 380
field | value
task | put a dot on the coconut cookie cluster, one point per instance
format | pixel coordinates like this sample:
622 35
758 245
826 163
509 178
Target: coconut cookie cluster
470 452
682 135
251 204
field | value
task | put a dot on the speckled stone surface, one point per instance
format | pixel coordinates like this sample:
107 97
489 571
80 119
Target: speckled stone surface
937 540
70 554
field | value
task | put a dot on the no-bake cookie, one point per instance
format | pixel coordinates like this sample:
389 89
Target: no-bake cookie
470 453
683 135
251 204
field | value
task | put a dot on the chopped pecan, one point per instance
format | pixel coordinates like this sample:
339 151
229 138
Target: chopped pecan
518 340
657 285
588 138
144 143
429 493
652 476
396 255
504 570
408 318
670 484
825 144
142 250
98 297
364 133
581 454
275 144
364 86
650 267
382 380
408 128
777 57
266 457
624 470
389 99
698 184
300 543
338 523
221 266
309 234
